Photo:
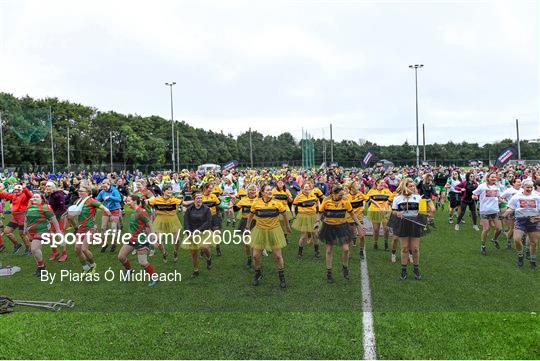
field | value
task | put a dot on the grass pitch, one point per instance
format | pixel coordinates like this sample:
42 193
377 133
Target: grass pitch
467 306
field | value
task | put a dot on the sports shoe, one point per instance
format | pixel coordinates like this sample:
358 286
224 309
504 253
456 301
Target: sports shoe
450 220
16 248
257 278
533 266
104 248
113 248
317 254
53 256
249 262
329 277
520 261
39 271
27 252
345 272
265 253
496 243
195 274
393 258
92 269
403 275
417 275
63 258
483 250
152 252
282 283
456 227
475 227
153 283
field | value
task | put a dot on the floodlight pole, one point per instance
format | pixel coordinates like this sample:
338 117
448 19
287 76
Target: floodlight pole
170 85
52 140
2 140
415 67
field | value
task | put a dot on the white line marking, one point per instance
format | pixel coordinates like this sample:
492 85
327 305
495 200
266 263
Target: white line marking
370 351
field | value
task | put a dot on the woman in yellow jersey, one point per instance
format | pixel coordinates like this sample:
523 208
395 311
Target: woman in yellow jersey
267 232
284 196
380 199
245 209
212 201
335 230
166 222
304 210
316 191
356 198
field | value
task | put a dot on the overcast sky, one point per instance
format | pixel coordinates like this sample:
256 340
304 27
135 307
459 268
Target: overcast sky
280 66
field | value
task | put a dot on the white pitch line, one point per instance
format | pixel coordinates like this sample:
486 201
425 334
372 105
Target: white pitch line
370 351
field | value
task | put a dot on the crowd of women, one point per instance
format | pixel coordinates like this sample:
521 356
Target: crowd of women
328 206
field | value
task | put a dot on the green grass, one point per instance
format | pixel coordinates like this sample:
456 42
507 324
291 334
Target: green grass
467 306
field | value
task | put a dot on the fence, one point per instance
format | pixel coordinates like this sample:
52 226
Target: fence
147 168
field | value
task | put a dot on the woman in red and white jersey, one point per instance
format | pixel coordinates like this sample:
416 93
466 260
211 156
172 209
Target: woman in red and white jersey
489 195
526 209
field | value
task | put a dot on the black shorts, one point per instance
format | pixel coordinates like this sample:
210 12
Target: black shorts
15 226
490 217
455 199
216 222
243 224
525 225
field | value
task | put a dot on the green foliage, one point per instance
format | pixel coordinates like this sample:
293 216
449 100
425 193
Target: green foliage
145 142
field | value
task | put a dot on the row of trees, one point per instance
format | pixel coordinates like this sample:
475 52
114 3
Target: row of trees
139 142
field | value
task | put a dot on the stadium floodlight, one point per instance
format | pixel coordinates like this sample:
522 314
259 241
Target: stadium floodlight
416 67
170 85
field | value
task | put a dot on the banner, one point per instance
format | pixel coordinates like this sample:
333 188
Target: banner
505 155
232 164
368 158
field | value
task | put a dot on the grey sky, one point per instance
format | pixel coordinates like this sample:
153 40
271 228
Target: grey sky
280 66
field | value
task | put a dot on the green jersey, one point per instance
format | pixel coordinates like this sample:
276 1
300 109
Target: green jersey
37 220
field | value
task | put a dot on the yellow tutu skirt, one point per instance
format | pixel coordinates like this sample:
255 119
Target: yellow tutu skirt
267 238
167 224
304 222
377 216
